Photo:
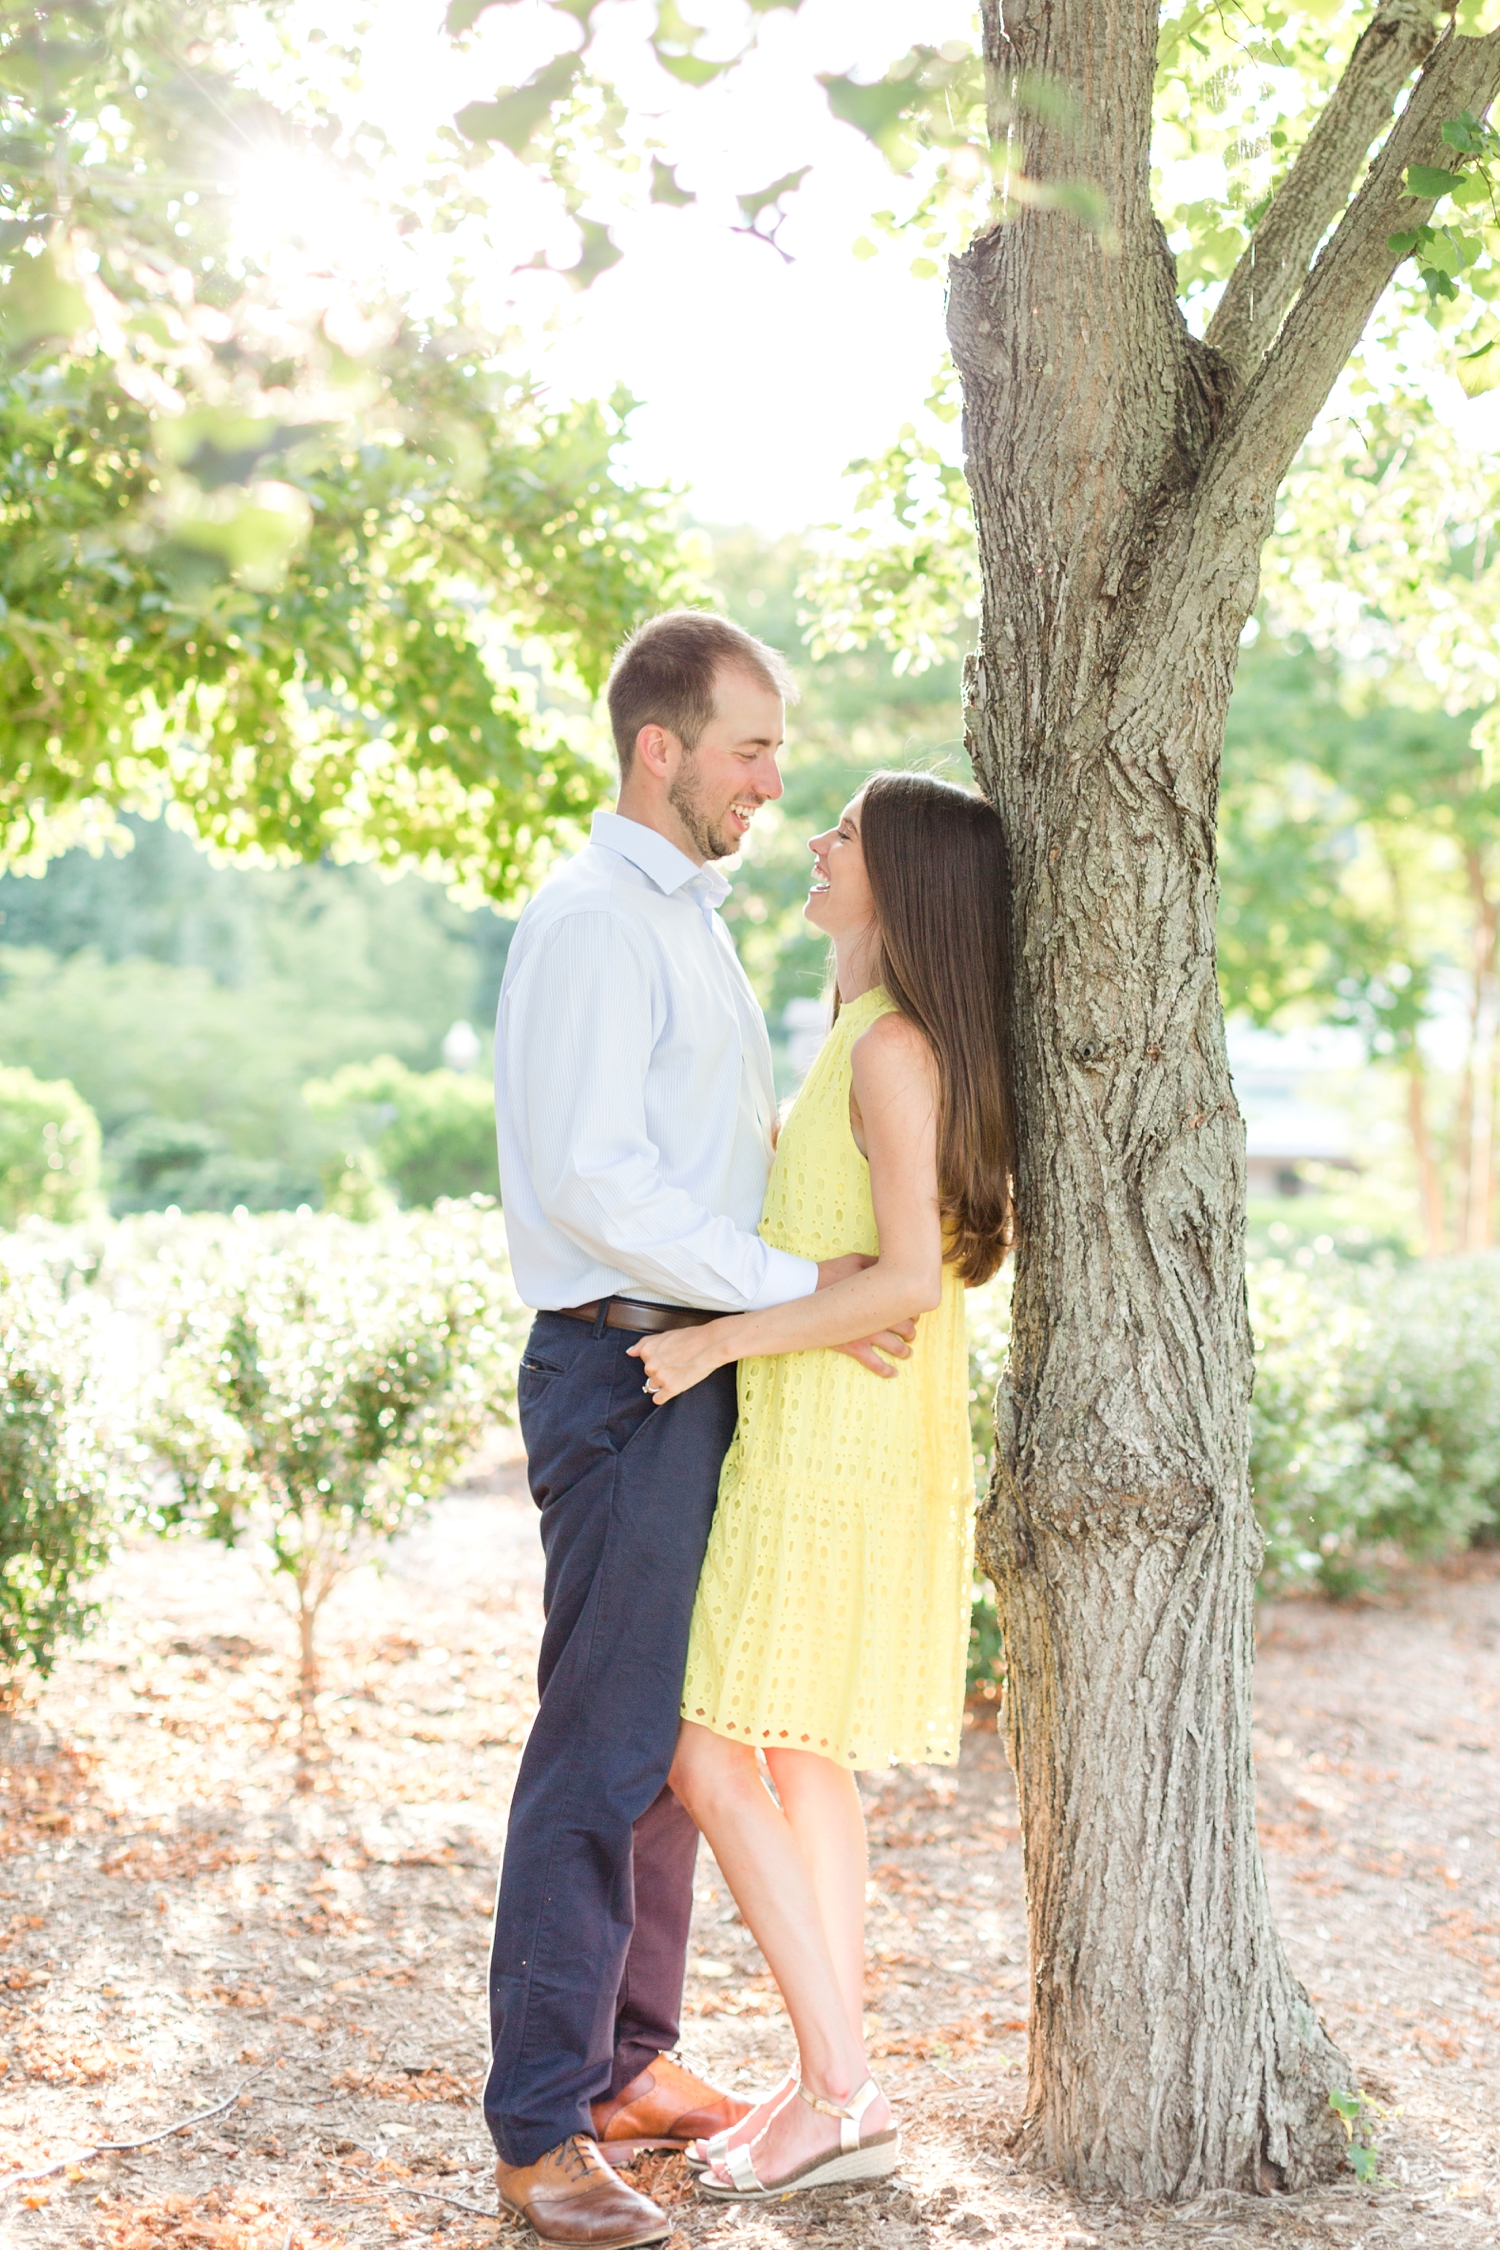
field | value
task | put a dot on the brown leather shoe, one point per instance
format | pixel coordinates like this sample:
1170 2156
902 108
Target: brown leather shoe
572 2198
665 2106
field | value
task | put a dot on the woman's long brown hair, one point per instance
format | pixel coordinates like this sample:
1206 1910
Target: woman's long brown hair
935 855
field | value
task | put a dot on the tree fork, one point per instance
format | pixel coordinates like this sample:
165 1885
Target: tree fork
1123 477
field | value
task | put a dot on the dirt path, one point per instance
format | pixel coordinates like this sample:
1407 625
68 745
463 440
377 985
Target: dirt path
177 1923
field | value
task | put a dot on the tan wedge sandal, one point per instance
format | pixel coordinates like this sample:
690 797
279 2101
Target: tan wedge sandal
858 2156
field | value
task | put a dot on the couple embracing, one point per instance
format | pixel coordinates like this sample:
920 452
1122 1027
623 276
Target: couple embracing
745 1409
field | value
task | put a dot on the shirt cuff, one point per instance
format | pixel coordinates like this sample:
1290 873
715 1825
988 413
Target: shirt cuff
786 1279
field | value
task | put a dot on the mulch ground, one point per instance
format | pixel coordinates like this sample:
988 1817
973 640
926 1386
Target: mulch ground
182 1930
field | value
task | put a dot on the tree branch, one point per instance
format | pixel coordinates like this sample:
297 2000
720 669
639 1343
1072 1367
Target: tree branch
1274 266
1269 422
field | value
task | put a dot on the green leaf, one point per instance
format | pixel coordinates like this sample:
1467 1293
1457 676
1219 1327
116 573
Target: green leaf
219 449
769 198
599 253
1402 245
1084 199
464 14
1430 184
1464 132
512 118
871 110
38 304
691 69
664 188
1346 2105
1479 371
672 26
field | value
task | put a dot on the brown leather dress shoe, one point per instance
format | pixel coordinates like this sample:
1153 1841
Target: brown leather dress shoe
572 2199
665 2106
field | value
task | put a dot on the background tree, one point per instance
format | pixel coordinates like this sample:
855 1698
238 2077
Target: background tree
1385 556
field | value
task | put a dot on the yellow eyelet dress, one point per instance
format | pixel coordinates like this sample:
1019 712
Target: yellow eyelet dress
833 1610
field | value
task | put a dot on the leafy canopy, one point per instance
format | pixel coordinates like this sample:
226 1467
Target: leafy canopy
271 546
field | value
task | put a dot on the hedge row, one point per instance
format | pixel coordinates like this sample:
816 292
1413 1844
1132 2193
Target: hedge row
1375 1421
302 1384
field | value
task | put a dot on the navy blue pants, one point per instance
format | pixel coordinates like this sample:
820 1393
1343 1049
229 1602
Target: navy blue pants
591 1924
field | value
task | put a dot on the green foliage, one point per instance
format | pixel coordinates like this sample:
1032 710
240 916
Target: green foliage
265 542
64 1469
1375 1421
984 1673
361 703
322 1381
1441 252
857 713
1358 2115
190 1003
49 1150
1343 816
432 1134
903 570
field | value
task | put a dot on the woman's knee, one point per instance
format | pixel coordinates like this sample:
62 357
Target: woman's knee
709 1771
807 1774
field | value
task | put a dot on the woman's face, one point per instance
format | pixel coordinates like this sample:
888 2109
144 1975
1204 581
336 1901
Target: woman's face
840 900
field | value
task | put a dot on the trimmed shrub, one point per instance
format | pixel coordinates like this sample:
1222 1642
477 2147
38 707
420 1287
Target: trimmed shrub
1376 1419
431 1133
64 1472
323 1380
49 1150
158 1163
1375 1424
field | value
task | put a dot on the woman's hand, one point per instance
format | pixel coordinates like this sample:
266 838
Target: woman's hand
678 1358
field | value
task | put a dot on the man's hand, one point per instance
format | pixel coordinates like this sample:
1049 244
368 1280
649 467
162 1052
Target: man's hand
843 1269
895 1341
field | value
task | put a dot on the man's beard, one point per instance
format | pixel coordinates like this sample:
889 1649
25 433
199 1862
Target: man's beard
685 800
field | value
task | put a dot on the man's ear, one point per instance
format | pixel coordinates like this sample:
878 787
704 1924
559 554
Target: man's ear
653 750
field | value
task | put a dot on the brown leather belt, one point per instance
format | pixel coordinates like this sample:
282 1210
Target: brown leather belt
631 1312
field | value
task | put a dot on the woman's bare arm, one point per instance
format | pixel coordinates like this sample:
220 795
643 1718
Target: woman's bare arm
896 1090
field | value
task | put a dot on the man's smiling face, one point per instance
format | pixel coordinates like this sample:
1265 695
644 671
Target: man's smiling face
731 770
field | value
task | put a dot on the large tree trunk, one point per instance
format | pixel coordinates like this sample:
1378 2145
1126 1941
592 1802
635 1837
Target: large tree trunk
1123 477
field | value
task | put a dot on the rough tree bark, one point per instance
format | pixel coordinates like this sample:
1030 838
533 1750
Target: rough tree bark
1123 476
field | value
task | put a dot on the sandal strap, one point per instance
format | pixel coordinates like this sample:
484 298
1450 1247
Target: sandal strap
740 2165
848 2113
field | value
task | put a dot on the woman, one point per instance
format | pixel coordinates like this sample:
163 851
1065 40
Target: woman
831 1624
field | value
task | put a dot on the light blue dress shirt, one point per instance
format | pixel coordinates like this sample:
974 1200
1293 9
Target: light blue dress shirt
633 1089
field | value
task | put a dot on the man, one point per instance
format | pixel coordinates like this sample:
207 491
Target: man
635 1109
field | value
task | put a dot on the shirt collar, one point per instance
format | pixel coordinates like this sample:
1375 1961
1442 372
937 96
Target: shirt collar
668 868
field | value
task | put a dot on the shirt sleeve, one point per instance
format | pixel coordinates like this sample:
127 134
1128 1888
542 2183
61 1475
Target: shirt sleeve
579 1032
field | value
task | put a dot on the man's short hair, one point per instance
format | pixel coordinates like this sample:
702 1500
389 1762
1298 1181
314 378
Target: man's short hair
664 675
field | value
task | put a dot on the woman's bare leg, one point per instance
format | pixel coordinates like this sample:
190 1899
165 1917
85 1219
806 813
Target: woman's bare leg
821 1803
763 1863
